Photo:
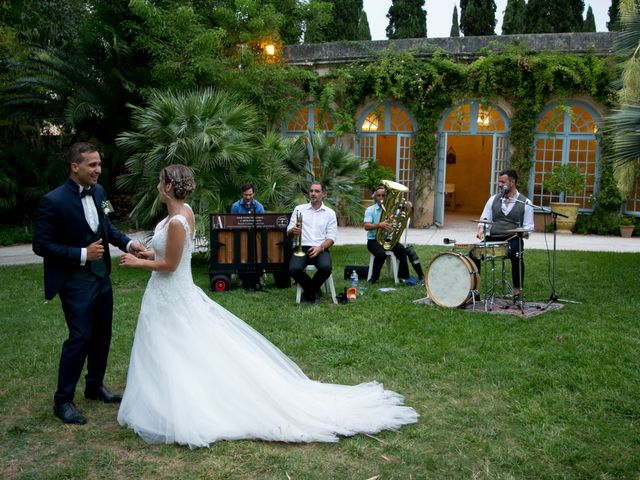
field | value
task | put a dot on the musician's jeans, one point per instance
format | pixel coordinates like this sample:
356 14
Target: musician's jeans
515 245
380 255
322 262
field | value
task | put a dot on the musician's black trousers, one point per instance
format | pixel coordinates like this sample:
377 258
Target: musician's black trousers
516 245
311 286
380 255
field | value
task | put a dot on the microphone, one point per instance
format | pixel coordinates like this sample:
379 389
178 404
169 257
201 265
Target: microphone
505 191
447 241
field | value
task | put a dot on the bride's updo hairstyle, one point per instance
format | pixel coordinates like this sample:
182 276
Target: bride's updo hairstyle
181 178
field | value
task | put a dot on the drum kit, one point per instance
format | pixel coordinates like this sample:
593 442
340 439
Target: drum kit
453 279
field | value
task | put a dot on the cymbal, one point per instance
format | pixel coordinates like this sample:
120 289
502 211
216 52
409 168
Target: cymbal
518 230
488 222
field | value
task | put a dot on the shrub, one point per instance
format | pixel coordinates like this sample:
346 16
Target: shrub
598 223
564 178
13 234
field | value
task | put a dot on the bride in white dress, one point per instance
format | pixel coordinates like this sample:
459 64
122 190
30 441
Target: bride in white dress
199 374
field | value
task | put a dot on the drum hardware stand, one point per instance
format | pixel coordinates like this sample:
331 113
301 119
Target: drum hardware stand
519 232
489 296
488 264
497 284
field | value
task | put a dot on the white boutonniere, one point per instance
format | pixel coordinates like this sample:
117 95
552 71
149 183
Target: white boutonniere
106 207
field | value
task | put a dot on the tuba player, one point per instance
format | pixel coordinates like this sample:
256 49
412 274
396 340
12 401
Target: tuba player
372 223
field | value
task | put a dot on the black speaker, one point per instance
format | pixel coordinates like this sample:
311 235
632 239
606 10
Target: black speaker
362 271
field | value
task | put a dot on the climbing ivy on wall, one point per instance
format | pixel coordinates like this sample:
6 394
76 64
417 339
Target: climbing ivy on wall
428 86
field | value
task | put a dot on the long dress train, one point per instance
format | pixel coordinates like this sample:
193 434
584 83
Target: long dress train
199 374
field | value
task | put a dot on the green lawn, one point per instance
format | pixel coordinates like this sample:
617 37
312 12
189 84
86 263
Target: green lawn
554 396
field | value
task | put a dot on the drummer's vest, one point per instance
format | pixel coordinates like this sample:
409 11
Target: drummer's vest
501 222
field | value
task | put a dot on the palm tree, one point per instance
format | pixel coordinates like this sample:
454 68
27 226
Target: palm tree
337 168
278 170
623 124
210 131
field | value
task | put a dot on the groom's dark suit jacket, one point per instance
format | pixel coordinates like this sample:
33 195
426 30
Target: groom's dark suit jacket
61 231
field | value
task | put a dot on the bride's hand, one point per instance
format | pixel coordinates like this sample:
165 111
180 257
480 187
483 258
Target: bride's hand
129 260
147 255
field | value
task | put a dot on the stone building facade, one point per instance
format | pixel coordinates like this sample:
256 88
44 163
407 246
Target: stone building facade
472 136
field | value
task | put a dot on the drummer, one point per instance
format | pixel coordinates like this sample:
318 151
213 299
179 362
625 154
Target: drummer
509 217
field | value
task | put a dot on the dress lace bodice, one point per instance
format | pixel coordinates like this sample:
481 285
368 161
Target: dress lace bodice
182 275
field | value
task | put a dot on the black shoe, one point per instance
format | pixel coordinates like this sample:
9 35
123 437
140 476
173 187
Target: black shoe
103 395
68 413
516 299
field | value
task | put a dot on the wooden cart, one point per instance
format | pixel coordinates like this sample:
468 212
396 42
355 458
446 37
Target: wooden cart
249 245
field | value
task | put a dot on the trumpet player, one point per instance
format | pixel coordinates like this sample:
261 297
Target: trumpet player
372 223
317 233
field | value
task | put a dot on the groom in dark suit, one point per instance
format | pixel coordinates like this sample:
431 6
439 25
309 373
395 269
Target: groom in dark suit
73 233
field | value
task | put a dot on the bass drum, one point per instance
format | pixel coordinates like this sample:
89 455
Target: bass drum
451 279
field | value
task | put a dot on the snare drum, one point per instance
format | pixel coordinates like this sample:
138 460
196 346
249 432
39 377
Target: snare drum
463 247
490 250
451 279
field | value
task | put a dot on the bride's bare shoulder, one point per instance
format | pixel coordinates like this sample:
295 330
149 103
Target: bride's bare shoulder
187 213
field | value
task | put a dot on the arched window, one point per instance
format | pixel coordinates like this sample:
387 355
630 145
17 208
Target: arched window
487 119
386 134
566 134
308 118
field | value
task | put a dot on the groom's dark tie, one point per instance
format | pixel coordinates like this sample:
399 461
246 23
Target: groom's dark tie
85 192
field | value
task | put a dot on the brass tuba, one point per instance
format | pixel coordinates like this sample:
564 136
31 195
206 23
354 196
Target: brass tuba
395 211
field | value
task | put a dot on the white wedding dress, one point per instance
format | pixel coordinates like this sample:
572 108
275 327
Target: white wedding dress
199 374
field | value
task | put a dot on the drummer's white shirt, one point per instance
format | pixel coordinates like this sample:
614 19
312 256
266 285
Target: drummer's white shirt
487 213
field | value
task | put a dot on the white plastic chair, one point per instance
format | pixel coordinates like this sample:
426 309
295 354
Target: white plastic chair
391 260
329 286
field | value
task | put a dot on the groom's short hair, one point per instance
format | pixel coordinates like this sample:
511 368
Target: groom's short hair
76 151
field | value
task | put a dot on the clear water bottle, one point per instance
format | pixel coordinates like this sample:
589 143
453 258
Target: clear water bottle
354 279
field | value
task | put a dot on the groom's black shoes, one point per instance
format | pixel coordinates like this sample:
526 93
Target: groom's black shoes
68 413
103 395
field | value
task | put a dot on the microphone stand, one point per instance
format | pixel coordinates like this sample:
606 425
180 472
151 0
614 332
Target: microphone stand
554 215
554 297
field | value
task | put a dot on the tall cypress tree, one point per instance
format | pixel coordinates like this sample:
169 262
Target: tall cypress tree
407 19
344 26
554 16
455 27
477 17
364 32
614 22
513 21
590 21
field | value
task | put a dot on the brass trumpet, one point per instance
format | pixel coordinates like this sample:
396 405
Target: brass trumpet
298 239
